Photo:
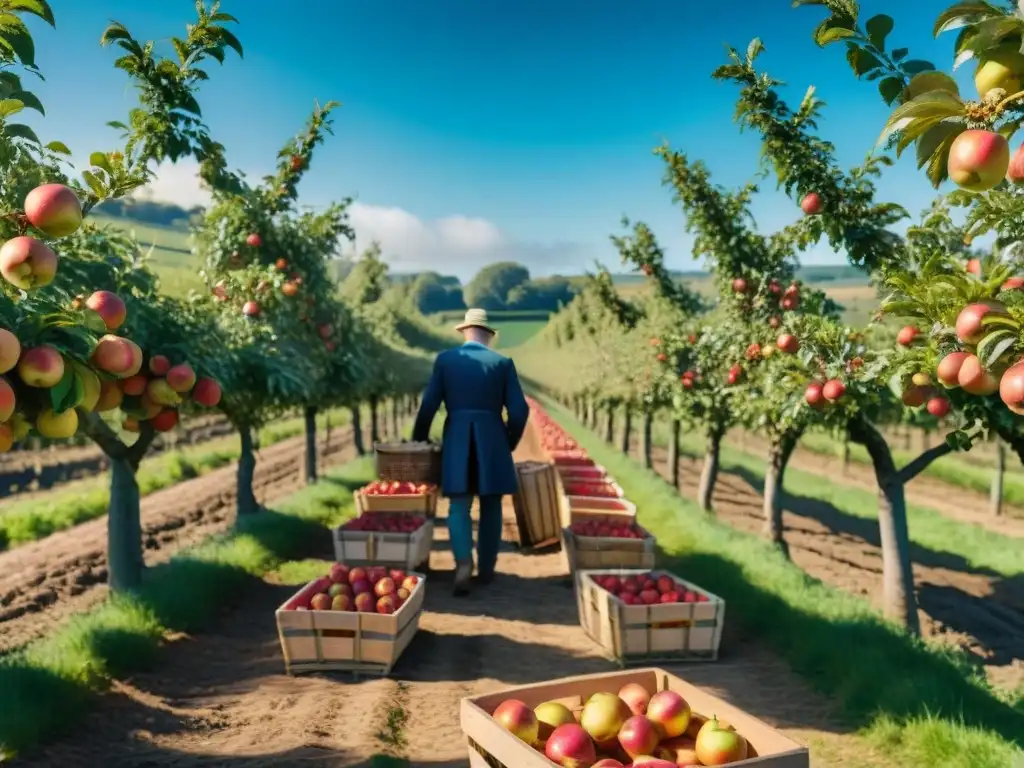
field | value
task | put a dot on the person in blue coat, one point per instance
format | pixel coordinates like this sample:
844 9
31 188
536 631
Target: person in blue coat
475 384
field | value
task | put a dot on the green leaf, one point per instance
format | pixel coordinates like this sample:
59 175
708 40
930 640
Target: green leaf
95 184
878 28
19 131
38 8
10 107
92 320
60 391
861 60
890 88
833 35
21 43
931 104
59 147
916 66
935 137
962 15
115 31
30 100
899 54
754 50
100 160
231 42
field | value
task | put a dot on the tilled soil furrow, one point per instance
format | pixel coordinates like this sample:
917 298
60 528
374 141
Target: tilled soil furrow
45 582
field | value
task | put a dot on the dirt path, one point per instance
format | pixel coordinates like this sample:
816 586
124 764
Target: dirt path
221 699
25 472
961 504
975 609
43 583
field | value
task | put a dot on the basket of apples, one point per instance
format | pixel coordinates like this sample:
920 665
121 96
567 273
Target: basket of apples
606 540
647 718
396 539
640 616
592 488
357 619
397 496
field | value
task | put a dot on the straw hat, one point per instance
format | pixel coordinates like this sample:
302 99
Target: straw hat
475 318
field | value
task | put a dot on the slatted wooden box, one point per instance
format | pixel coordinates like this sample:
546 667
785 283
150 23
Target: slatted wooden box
401 550
589 474
323 641
572 507
414 503
537 504
645 634
492 746
593 552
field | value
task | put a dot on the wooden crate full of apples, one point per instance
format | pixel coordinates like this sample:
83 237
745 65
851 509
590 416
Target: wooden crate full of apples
397 496
398 539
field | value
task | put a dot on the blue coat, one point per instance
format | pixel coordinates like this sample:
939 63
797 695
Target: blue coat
475 383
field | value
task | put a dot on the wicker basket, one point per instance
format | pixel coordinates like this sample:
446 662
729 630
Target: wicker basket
409 462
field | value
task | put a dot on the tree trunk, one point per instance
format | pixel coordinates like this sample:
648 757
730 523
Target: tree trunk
779 451
246 504
673 454
897 572
124 529
374 420
309 416
645 439
357 429
627 430
846 456
609 424
395 419
709 472
995 500
591 414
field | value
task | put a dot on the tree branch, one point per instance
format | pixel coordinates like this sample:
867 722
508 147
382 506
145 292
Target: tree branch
98 431
138 450
918 465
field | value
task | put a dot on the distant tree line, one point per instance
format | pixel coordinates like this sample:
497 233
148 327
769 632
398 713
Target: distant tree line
150 212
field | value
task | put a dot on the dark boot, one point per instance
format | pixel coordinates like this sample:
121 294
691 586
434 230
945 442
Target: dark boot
463 577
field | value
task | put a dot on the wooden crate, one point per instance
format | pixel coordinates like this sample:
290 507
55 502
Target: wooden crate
592 552
572 507
574 472
645 634
324 641
492 746
537 504
414 503
568 484
402 550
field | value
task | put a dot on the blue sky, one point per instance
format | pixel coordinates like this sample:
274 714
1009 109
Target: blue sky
473 130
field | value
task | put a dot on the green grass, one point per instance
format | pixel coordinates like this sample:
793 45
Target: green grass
515 332
26 521
977 546
48 684
922 704
170 253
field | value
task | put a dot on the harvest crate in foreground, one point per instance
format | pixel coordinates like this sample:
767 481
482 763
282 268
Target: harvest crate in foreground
492 746
350 641
659 632
404 550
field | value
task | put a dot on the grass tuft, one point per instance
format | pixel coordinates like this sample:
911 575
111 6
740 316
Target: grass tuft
46 685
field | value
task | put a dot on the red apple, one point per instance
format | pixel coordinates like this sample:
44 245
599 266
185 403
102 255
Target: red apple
386 604
569 746
787 343
639 736
1012 284
670 712
739 285
939 406
948 371
27 263
833 390
365 602
41 367
974 379
321 602
1011 388
811 204
254 240
206 392
969 327
906 335
550 715
110 307
636 697
517 718
339 573
914 396
978 160
54 210
814 395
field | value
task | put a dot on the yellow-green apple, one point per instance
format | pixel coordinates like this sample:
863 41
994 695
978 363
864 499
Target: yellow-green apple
7 399
149 408
1001 67
10 350
341 602
110 307
603 716
569 746
974 379
518 719
1011 388
636 697
41 366
206 392
181 378
110 396
948 371
718 743
682 749
27 263
978 160
160 392
550 715
54 210
926 82
969 326
670 712
90 387
57 425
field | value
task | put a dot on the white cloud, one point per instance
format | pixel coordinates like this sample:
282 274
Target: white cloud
176 183
455 245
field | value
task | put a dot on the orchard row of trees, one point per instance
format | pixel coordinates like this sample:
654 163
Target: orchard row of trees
87 340
772 355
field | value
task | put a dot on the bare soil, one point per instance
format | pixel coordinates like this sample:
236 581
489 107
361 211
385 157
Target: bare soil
44 583
25 471
975 609
222 699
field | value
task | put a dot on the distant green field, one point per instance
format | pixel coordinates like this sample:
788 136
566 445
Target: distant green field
516 332
170 255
